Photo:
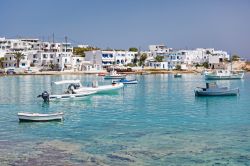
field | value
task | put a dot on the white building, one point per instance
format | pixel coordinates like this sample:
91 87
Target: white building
217 59
37 53
159 65
159 50
192 57
108 58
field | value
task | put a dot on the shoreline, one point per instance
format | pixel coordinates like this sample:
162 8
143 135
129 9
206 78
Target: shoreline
141 72
148 72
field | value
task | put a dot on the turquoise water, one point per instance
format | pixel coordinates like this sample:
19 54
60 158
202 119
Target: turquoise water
156 122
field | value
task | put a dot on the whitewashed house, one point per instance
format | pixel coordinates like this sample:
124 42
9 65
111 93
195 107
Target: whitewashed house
159 49
109 58
159 65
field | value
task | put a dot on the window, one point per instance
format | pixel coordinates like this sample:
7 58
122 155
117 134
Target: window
44 56
23 64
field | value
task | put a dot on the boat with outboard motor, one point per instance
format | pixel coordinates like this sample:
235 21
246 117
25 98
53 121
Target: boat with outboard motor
37 117
74 91
77 91
212 89
224 75
114 75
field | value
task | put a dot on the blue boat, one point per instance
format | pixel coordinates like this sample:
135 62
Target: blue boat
125 81
213 90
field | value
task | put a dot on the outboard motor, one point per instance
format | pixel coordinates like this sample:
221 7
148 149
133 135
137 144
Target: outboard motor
45 96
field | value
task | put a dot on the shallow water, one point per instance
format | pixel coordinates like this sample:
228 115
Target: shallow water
156 122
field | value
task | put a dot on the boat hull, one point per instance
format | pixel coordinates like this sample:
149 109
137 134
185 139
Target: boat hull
230 92
77 96
35 117
230 77
114 77
104 88
177 76
128 81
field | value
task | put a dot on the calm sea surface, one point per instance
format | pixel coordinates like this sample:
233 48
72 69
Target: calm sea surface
159 121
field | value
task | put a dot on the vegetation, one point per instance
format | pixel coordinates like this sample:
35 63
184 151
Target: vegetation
81 51
32 65
18 56
1 62
205 64
51 65
142 59
159 58
235 58
135 60
208 52
133 49
131 65
178 67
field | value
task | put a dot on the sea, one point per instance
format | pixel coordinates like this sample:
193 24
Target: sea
158 121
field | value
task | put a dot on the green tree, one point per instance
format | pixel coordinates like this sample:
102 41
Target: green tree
208 52
205 64
135 59
1 62
133 49
81 51
159 58
18 56
235 58
142 59
178 67
52 65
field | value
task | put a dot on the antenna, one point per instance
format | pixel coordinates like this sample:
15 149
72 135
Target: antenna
53 36
66 39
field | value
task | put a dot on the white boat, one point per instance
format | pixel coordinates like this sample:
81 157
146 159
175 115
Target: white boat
37 117
224 75
213 90
205 72
77 91
102 88
74 91
114 75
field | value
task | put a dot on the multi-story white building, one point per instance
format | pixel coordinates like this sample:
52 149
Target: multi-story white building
159 50
36 53
192 57
108 58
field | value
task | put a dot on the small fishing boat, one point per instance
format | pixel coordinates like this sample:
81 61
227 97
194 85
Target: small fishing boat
37 117
224 75
114 75
177 75
101 74
205 72
125 81
213 90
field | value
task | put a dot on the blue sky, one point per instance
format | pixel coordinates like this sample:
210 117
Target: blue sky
221 24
